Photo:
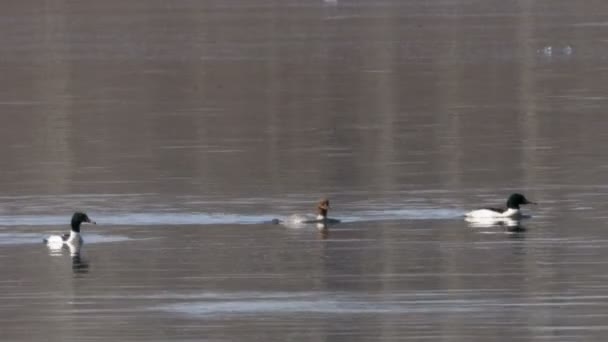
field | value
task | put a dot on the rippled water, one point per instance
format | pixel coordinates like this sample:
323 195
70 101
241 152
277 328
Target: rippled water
184 128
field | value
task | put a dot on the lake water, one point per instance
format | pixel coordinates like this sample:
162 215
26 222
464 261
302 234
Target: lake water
183 127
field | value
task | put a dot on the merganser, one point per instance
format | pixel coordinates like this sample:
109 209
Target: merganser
299 221
72 239
511 211
322 209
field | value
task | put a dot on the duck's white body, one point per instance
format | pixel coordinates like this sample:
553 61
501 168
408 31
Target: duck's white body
57 241
508 216
487 222
493 213
54 240
74 238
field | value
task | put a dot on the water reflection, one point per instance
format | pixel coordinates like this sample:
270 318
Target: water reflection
80 264
322 227
323 230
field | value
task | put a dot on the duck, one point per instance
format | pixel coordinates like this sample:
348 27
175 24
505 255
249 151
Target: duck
73 238
322 210
300 221
511 211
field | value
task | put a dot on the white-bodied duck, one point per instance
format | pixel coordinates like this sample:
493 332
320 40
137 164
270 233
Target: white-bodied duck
511 211
73 238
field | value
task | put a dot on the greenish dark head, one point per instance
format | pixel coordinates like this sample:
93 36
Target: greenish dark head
79 218
515 200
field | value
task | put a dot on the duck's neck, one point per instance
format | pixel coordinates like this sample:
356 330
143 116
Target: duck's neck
321 213
74 237
75 227
511 212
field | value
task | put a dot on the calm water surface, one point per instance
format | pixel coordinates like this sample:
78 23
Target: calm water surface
181 127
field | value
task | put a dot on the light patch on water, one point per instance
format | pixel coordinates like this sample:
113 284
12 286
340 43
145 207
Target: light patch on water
99 238
35 238
148 219
592 24
176 218
218 305
405 214
19 238
316 305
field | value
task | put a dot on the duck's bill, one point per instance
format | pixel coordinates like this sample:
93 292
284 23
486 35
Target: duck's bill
90 221
530 202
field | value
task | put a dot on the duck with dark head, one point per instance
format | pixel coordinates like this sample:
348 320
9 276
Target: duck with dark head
74 236
512 210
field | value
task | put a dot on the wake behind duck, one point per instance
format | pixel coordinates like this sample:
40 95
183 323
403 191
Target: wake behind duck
321 220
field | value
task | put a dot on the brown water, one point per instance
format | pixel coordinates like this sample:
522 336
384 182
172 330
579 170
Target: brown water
181 127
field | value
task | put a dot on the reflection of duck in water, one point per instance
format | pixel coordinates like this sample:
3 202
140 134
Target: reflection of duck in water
320 219
74 238
511 211
79 264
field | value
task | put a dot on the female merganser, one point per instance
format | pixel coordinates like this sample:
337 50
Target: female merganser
74 237
299 221
322 209
511 211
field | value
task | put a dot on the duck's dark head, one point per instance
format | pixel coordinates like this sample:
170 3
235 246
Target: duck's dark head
515 200
79 218
323 207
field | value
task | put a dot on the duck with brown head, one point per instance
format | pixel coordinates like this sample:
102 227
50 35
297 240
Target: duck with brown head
322 211
300 221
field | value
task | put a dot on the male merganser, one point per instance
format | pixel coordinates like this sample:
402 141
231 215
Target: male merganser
72 239
511 211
